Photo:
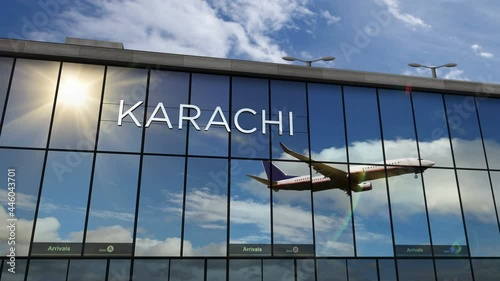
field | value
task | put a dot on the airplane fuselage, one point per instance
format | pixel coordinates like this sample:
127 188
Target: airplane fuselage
358 177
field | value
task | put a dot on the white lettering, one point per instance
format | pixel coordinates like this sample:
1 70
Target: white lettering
237 123
272 122
290 122
159 119
219 123
122 115
189 118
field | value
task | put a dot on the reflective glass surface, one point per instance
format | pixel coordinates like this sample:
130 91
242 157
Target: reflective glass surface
86 270
243 178
205 214
77 105
250 209
115 180
160 207
488 112
26 170
167 90
432 130
249 98
29 108
479 212
16 273
127 85
187 270
453 270
5 71
288 122
154 270
464 129
208 130
41 270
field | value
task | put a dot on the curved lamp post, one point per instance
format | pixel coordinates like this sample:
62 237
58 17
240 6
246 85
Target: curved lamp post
433 68
308 62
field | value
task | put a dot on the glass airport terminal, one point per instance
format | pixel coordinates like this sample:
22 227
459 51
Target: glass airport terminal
129 165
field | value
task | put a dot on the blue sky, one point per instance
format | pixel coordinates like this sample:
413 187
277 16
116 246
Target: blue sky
371 35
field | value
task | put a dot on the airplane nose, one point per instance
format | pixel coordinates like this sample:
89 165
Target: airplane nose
428 163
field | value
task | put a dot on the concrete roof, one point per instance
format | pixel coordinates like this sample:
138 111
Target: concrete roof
111 56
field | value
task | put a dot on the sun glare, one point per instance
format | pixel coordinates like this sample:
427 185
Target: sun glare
73 92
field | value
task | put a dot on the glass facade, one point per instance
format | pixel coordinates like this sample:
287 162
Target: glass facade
109 172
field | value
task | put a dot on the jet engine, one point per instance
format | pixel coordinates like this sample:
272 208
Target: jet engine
364 186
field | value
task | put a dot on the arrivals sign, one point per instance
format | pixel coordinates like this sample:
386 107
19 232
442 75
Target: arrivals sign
217 118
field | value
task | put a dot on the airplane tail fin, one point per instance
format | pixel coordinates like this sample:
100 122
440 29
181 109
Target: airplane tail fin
273 172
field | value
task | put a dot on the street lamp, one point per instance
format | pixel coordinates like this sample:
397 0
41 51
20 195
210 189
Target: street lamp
308 62
433 68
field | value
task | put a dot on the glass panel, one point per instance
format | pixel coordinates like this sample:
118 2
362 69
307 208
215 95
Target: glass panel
250 216
129 85
28 168
245 270
205 228
187 270
87 270
416 270
409 215
326 119
63 204
488 115
387 270
5 71
247 140
278 270
42 270
216 270
495 180
485 269
160 207
77 107
15 272
306 270
363 126
115 180
397 125
119 270
208 93
171 89
333 220
371 218
479 211
432 131
361 270
151 270
464 129
292 212
289 99
445 214
29 108
453 270
331 270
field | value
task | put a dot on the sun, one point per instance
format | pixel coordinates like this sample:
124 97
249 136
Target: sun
73 92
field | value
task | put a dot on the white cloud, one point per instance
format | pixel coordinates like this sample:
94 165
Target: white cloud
216 28
451 74
456 74
330 19
478 51
394 8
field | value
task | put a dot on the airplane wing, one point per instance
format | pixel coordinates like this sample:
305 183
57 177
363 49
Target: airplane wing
324 169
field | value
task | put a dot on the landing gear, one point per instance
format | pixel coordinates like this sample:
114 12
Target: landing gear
276 189
416 176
